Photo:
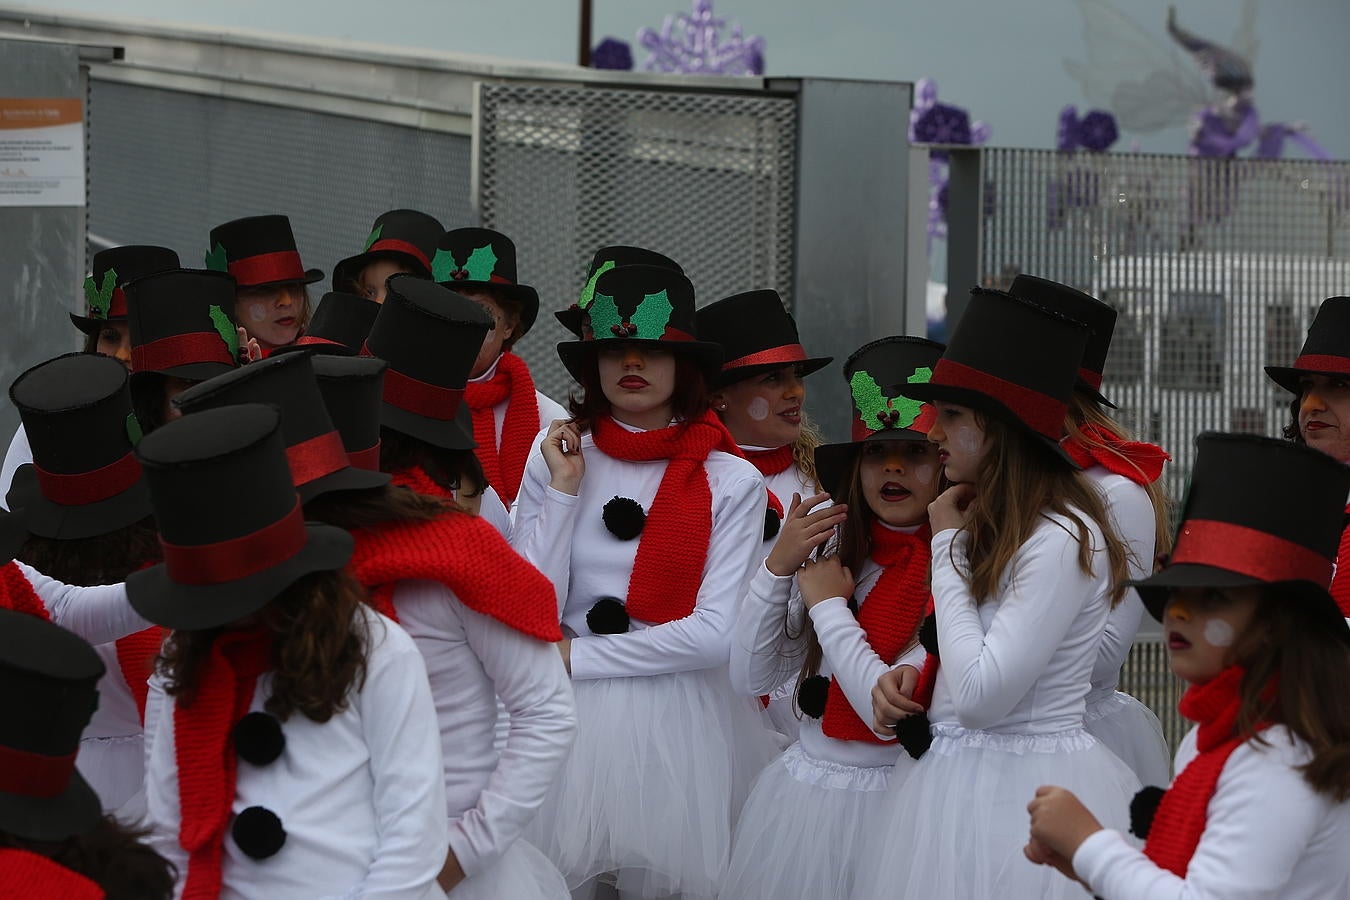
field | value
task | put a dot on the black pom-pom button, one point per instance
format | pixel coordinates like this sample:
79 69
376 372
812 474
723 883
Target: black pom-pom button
771 524
928 634
258 738
1142 808
624 517
608 616
914 734
258 832
811 695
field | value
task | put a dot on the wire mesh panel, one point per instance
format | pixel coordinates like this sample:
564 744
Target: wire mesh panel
1215 265
705 178
166 166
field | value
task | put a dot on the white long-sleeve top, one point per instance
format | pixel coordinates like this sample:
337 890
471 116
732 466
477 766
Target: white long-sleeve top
98 614
1267 835
18 454
361 796
1019 662
471 660
764 656
565 537
1131 513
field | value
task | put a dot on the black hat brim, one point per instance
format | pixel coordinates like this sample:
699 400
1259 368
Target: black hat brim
91 326
346 479
190 607
706 354
347 269
316 346
74 811
833 461
1084 388
807 366
1287 377
198 371
526 296
47 519
449 434
12 533
570 319
311 276
945 393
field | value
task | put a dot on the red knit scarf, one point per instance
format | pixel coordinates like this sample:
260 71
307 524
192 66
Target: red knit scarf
772 462
668 568
17 593
1340 584
505 465
1140 462
136 654
889 617
25 874
468 556
416 479
206 756
1180 819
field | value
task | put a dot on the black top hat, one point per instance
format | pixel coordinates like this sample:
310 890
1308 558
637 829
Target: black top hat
229 520
757 334
353 388
1013 359
875 374
113 268
84 479
1326 351
643 305
1096 315
430 336
48 692
314 448
1259 511
258 251
182 324
404 234
482 258
607 258
339 325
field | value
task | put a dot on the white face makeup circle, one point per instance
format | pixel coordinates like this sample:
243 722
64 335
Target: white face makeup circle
257 312
1218 633
967 440
758 409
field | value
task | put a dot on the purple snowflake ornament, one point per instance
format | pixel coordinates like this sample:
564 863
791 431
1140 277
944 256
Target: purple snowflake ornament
1097 131
612 53
692 44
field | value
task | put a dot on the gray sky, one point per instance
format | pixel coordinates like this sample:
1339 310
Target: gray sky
1001 59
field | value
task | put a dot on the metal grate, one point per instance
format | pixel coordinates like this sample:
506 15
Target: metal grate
706 178
1216 267
167 166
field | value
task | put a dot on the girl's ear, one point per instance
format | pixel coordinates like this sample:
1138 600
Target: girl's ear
718 401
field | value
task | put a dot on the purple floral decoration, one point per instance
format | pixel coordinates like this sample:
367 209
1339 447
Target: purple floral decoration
1096 131
692 44
931 122
612 53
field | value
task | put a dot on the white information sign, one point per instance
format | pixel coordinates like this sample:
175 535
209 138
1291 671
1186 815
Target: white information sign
41 151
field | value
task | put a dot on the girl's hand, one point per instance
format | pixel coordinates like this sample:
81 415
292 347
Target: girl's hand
891 699
803 531
1042 855
1060 823
821 579
562 452
952 507
249 351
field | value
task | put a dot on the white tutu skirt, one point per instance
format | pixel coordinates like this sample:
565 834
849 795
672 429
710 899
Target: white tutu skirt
115 769
654 783
1130 730
954 829
522 873
804 826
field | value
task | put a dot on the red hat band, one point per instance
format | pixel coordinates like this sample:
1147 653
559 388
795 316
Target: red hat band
180 350
1041 412
1091 379
236 558
79 488
783 356
319 456
419 397
368 459
265 268
1322 363
34 775
394 245
1247 551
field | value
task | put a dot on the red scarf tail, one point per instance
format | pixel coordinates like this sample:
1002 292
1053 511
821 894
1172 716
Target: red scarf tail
504 463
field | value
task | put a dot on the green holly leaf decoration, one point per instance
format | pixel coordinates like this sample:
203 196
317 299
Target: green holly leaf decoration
226 329
910 409
604 315
99 297
442 264
589 290
481 263
134 432
216 260
374 236
652 316
869 400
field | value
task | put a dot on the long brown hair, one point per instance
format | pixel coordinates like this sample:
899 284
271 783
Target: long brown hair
320 640
102 559
1291 431
1084 411
458 471
1017 485
110 854
1312 663
688 401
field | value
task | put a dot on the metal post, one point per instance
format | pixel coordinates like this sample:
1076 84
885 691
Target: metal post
965 229
584 35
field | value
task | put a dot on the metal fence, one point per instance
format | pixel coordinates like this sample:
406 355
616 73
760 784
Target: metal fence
1215 266
707 178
